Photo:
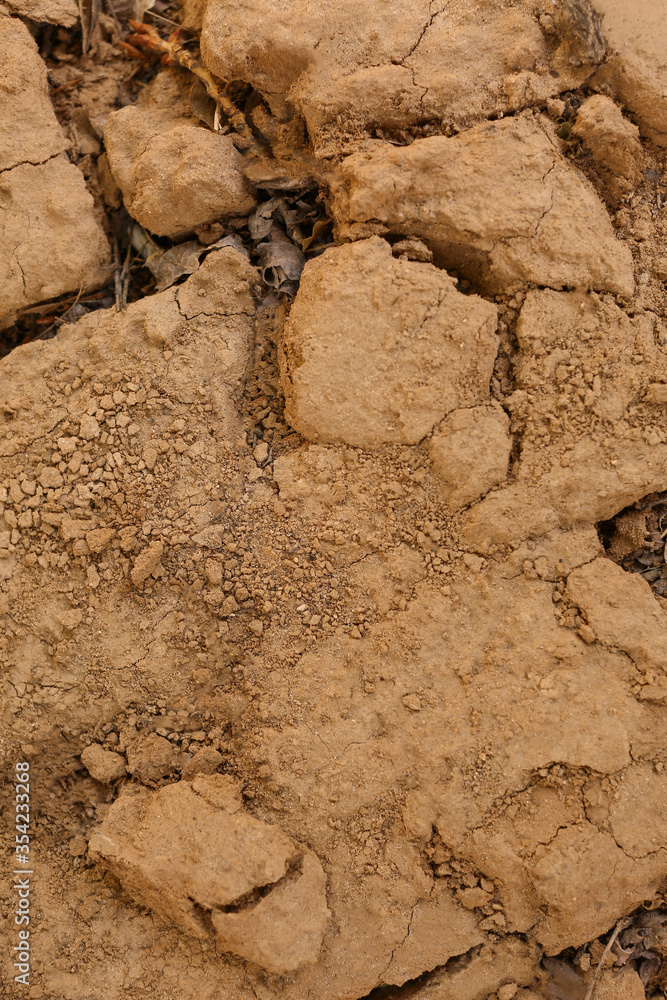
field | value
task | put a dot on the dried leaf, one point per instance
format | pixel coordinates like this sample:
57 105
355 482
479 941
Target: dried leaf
319 227
183 259
281 262
139 9
260 222
649 965
88 12
142 242
172 264
203 105
563 982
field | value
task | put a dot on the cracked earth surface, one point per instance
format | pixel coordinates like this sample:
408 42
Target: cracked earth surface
331 683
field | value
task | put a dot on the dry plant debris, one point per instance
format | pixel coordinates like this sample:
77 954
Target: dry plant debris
333 490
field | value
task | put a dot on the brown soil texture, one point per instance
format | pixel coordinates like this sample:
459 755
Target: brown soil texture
333 591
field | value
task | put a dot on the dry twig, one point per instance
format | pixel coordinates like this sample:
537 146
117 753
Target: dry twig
621 925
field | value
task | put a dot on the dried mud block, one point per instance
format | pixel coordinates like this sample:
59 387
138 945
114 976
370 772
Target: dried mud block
497 203
470 453
65 12
146 563
485 971
353 73
192 854
204 761
174 174
152 758
587 400
554 556
50 240
207 324
582 855
621 609
620 984
433 921
103 765
379 350
614 144
550 711
159 387
637 818
636 70
29 130
285 929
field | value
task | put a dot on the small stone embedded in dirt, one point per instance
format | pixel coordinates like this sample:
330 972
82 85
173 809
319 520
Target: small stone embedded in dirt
204 761
78 846
174 174
146 563
470 453
188 860
529 216
379 350
413 249
103 765
152 757
99 538
614 144
508 991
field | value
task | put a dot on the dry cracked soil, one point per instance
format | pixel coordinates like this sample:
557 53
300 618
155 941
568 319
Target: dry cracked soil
333 499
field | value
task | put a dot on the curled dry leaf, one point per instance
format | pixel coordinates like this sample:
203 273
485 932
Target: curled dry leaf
297 216
281 262
319 228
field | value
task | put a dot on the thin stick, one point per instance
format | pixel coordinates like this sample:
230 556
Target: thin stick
610 943
109 9
116 273
161 17
125 278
